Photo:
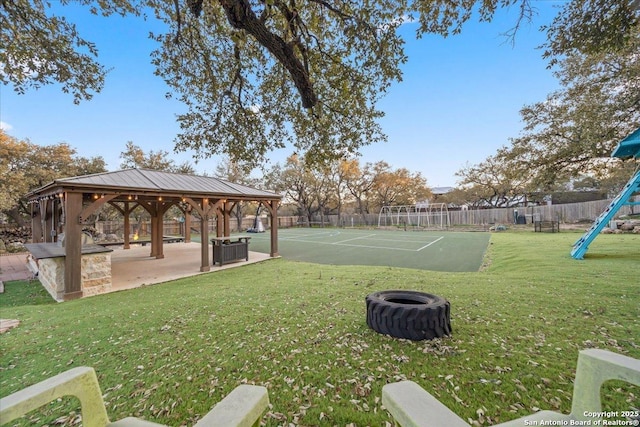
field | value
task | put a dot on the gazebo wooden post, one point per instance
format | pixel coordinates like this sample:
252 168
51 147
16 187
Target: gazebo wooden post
73 246
157 228
160 231
154 251
36 223
52 227
205 265
226 214
187 225
127 226
219 223
125 210
48 220
272 207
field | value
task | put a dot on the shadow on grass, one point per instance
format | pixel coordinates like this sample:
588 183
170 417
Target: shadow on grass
612 255
20 293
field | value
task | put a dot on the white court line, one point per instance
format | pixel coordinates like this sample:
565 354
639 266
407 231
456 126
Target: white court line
363 246
355 238
376 247
399 240
429 244
342 242
323 234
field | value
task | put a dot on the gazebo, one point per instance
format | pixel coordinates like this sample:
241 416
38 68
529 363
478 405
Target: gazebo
65 204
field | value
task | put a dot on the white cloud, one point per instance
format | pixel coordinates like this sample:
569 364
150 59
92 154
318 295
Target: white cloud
5 126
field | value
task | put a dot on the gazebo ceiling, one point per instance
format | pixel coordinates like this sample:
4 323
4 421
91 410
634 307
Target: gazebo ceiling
152 183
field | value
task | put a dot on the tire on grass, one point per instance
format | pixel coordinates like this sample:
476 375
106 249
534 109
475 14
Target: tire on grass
408 314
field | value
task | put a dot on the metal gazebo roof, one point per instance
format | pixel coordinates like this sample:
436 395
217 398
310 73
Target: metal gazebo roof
155 182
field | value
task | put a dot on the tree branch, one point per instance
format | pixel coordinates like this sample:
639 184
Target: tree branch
240 16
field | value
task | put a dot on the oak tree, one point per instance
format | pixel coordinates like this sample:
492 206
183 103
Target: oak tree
25 166
574 131
135 157
256 75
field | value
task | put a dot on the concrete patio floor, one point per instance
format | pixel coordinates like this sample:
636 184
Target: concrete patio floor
132 268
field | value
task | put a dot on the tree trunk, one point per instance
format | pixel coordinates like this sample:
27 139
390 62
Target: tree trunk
16 217
237 211
240 16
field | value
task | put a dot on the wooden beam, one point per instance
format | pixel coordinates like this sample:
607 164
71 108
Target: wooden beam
219 224
226 214
127 225
272 207
36 223
49 220
187 225
73 246
97 204
161 207
205 264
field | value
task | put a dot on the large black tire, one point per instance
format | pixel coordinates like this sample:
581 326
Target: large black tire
408 314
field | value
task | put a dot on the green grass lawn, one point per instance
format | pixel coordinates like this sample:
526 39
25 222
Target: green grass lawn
169 352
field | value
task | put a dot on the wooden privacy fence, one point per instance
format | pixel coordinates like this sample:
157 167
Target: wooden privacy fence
565 213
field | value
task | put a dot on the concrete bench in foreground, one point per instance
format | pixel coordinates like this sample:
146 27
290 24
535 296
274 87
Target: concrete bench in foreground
412 406
243 407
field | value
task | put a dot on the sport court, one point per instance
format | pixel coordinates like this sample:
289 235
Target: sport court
427 250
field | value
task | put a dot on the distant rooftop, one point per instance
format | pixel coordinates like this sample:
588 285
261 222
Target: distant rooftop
441 190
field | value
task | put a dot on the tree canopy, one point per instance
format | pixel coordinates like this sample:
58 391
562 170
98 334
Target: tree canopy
256 75
345 184
25 166
134 157
574 131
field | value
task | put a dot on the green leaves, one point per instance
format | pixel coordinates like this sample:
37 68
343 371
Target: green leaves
258 76
590 27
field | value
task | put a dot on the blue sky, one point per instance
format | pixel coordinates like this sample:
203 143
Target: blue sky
458 102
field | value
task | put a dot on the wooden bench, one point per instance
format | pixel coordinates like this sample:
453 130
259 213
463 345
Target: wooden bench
243 407
412 406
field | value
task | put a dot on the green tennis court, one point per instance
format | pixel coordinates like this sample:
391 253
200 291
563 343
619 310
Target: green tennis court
439 251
